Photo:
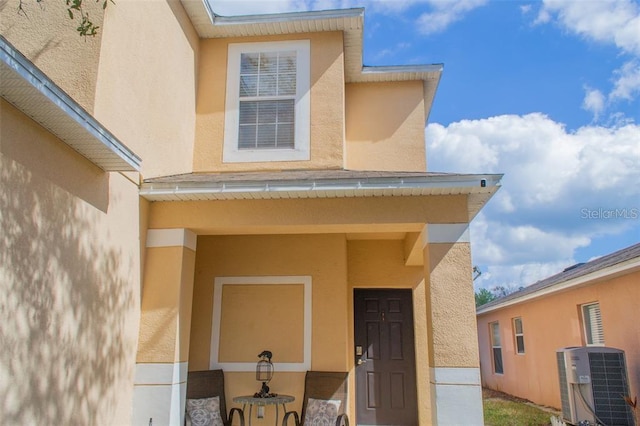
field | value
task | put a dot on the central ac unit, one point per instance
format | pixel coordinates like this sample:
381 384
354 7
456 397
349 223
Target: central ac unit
593 382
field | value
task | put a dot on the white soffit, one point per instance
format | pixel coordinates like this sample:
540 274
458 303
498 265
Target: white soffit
23 85
219 187
349 21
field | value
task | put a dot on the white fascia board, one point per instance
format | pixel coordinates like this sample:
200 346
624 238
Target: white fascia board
596 276
190 188
49 90
219 20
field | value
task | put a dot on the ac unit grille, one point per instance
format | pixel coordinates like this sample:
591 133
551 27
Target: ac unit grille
564 386
609 385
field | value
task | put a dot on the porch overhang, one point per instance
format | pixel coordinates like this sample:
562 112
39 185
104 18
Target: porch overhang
322 184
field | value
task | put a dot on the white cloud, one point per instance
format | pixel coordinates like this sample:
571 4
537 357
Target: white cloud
594 101
616 22
445 13
627 81
535 223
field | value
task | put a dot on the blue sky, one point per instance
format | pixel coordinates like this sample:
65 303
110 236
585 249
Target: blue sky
546 92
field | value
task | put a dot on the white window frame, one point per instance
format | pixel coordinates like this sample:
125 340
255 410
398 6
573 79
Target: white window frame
516 335
588 327
302 130
220 282
496 345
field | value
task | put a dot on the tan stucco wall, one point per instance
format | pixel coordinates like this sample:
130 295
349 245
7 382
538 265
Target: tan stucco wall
380 264
48 38
385 126
166 305
554 322
146 84
331 215
452 327
69 282
327 105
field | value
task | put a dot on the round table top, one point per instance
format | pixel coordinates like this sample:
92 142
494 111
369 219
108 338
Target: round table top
250 399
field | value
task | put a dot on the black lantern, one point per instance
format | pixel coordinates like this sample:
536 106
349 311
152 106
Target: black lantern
264 374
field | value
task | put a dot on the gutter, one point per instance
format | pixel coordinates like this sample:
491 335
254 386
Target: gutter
482 183
281 17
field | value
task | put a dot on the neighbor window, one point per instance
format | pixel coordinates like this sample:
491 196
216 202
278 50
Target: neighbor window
496 348
267 107
518 335
592 323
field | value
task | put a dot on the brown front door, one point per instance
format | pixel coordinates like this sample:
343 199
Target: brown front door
385 358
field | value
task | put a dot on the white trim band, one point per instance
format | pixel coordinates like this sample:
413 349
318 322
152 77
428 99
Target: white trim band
455 376
178 237
159 393
165 374
305 280
446 233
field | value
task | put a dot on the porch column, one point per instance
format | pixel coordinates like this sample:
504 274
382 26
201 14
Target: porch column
165 325
456 392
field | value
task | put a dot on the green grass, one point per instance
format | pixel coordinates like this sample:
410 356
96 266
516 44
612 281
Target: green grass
500 412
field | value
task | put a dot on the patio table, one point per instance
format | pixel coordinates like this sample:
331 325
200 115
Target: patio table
261 402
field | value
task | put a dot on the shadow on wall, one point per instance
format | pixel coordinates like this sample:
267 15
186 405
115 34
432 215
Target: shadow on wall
64 301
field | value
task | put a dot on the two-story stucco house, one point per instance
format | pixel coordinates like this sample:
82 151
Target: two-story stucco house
186 190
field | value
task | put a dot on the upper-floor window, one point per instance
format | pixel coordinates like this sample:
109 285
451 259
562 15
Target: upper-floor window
267 104
592 323
518 334
496 348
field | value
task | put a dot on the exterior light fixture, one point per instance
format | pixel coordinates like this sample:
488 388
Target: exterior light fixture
264 374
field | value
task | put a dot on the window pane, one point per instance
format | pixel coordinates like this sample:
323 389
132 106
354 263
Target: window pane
268 85
248 112
594 333
286 136
248 85
497 361
287 62
518 325
286 111
520 344
247 136
267 112
269 62
287 84
249 63
266 136
495 330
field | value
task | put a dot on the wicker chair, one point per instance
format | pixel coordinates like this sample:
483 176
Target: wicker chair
210 383
323 385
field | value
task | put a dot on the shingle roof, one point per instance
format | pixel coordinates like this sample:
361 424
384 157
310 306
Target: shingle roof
570 273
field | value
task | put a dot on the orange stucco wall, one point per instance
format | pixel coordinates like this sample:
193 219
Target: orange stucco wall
69 282
327 105
554 322
385 126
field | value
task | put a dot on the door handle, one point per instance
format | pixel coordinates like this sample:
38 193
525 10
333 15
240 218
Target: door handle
361 361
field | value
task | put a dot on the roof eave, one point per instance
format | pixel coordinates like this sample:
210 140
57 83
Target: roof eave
596 276
326 188
35 94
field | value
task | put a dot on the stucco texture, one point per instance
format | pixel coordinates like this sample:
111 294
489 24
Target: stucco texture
385 126
553 322
451 306
69 282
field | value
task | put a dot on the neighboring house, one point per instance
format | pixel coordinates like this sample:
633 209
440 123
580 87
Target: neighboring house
590 304
187 190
